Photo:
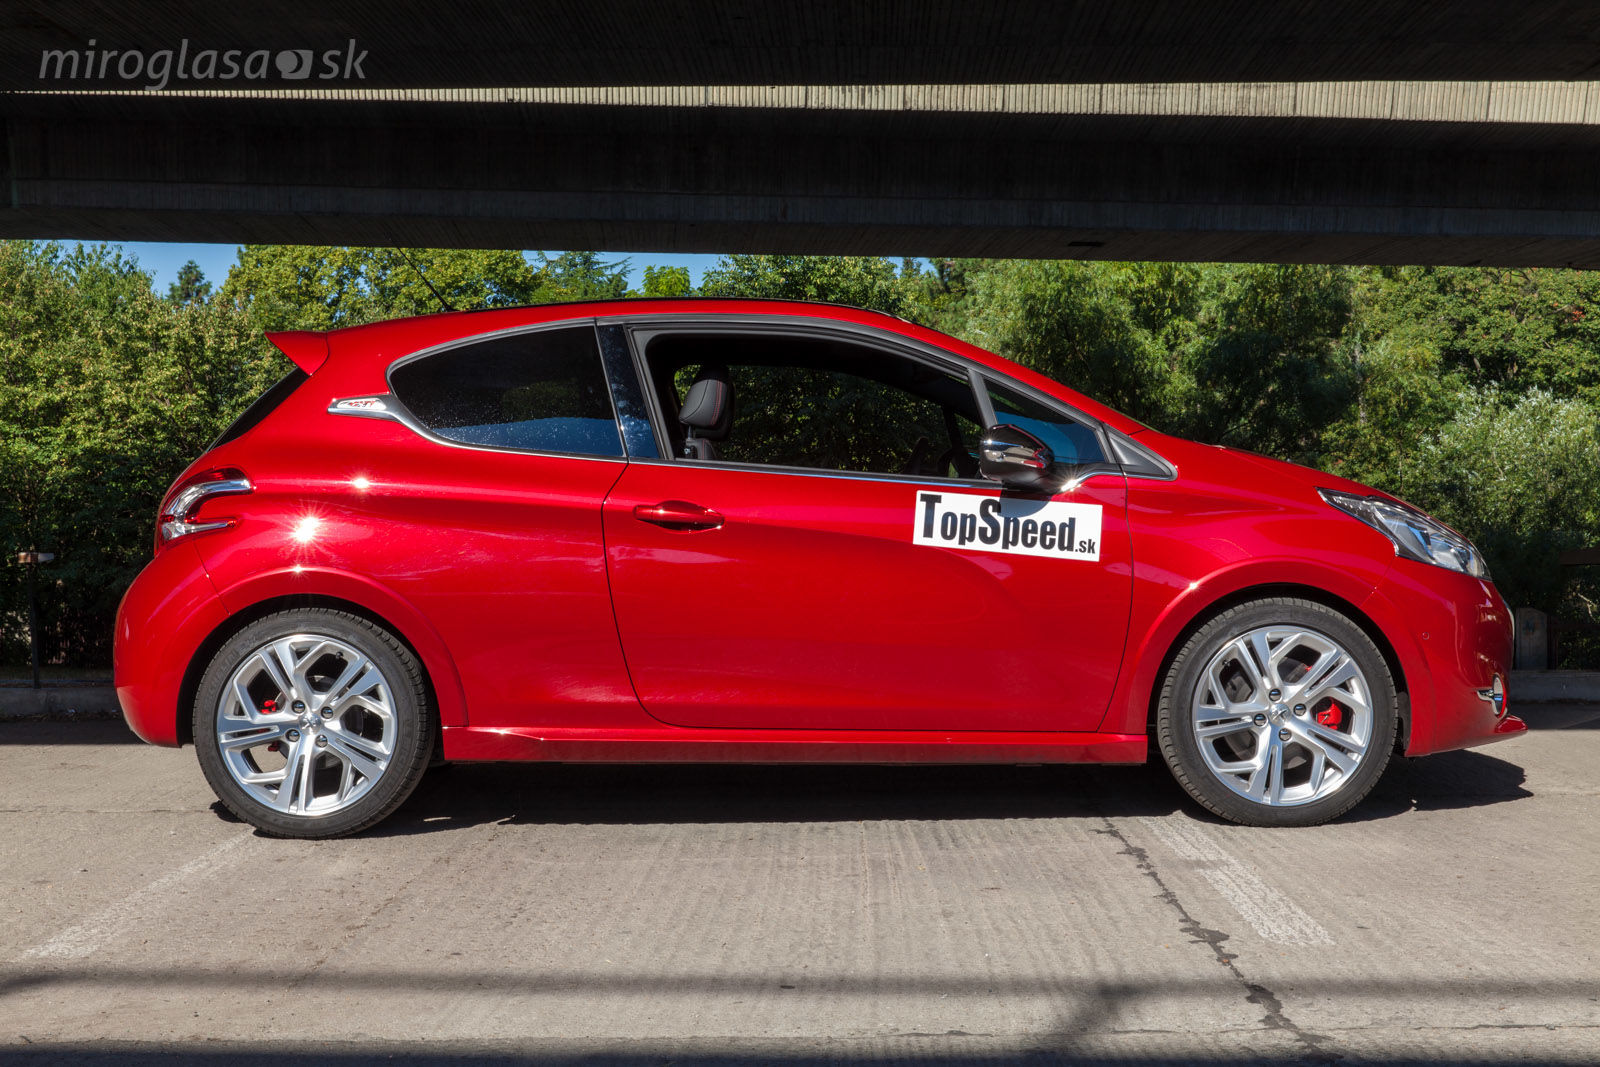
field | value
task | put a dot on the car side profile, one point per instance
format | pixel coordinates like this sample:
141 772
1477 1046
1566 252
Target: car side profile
758 531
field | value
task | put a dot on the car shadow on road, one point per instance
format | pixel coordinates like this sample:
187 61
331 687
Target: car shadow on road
1444 782
471 794
462 795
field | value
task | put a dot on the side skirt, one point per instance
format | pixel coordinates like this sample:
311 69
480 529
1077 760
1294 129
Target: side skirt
494 744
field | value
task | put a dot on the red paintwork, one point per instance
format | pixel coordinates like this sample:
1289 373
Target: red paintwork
664 744
811 608
163 618
552 602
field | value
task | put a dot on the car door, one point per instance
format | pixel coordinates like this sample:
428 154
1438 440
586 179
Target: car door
818 589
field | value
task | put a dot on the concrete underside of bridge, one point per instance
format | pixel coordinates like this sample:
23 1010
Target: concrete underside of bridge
1339 132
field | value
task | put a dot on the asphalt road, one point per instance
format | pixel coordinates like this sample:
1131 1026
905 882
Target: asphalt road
735 915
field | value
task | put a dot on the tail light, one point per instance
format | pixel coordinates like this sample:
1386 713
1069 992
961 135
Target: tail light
178 513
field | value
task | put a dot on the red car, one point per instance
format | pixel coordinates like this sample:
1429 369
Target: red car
701 530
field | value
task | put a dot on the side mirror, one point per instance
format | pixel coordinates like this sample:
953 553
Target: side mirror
1012 456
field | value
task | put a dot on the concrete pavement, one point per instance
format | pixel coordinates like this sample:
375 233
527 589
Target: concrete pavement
801 915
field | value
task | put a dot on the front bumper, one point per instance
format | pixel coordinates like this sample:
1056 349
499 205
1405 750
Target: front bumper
1453 636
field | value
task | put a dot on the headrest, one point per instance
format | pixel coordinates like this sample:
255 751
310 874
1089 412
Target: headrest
708 409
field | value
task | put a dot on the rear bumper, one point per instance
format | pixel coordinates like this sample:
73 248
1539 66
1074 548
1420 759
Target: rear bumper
167 612
1453 636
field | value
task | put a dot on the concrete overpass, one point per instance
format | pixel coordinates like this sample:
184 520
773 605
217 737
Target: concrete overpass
1244 130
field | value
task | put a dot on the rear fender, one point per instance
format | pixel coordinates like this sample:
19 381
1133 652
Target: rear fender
366 597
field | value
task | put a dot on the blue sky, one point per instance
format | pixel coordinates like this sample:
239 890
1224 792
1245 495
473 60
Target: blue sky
164 258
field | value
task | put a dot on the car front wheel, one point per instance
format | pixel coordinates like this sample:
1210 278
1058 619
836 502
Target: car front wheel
313 723
1278 712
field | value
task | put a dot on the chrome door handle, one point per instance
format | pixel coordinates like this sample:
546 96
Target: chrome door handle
678 515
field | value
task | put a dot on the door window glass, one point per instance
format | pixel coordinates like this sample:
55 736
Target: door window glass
1074 443
819 403
543 391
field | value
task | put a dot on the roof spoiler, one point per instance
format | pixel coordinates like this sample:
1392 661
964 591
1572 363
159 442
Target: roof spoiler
308 348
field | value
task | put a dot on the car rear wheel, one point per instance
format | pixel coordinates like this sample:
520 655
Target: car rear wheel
313 723
1278 712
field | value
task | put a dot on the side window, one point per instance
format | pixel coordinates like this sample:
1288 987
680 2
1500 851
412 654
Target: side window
543 391
815 402
1073 442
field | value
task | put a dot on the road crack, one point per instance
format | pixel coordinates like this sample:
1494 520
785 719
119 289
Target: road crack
1275 1018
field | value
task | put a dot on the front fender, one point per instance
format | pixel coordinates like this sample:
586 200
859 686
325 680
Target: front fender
1160 618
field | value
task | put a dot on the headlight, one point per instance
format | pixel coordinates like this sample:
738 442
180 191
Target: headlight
1414 534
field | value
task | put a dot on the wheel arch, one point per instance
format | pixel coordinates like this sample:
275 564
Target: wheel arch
238 620
1206 612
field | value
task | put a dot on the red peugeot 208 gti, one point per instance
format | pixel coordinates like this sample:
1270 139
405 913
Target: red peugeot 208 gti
759 531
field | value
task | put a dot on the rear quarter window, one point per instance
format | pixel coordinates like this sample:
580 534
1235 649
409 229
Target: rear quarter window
543 392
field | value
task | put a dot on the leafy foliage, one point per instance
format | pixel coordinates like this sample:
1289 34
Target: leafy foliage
191 286
106 393
1521 329
666 282
1522 475
1266 370
311 288
860 281
579 276
1074 322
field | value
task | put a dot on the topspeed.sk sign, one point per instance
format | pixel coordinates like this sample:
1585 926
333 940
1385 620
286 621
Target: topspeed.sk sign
1018 525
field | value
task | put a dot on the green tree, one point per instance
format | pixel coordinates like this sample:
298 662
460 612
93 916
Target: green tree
191 286
580 276
317 288
1518 475
1074 322
106 393
859 281
666 282
946 291
1401 393
1268 373
1519 329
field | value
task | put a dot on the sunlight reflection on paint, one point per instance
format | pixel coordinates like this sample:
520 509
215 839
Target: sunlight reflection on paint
306 529
361 483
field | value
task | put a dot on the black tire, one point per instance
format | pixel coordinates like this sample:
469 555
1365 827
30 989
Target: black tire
415 725
1180 746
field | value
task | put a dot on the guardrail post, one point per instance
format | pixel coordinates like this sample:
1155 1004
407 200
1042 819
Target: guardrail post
1533 640
31 560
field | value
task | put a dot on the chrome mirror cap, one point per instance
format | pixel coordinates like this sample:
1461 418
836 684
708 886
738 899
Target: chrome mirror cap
1014 457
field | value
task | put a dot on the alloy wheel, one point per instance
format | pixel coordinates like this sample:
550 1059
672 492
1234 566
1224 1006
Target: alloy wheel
1283 715
306 725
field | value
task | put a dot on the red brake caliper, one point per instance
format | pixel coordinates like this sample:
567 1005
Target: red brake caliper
1330 716
267 708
